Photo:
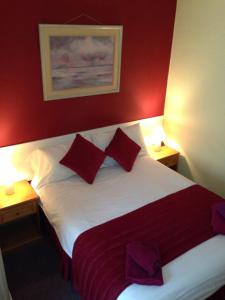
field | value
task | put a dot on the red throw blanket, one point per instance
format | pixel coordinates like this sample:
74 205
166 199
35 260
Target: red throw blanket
176 223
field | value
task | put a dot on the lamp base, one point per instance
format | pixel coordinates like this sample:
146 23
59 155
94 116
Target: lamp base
157 148
9 189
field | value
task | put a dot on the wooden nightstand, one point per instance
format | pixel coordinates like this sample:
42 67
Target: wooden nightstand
19 216
167 156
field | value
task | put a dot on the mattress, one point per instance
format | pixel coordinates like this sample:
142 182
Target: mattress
72 206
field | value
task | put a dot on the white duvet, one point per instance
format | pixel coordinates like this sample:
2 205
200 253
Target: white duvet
73 206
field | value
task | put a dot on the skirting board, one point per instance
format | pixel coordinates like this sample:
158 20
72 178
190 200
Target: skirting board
15 158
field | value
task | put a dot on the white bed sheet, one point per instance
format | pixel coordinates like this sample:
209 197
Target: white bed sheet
72 206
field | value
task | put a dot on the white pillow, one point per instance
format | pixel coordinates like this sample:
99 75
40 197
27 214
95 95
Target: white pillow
46 167
134 132
102 140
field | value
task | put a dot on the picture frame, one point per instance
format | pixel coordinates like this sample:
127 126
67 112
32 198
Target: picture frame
80 60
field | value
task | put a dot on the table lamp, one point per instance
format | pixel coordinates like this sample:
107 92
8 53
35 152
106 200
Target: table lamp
157 138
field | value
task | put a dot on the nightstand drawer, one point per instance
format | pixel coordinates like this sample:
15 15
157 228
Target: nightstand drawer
18 212
170 161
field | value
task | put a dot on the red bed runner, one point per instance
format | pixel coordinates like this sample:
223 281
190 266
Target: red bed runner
176 223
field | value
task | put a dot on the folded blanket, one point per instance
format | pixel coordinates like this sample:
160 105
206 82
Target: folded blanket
221 209
143 264
218 218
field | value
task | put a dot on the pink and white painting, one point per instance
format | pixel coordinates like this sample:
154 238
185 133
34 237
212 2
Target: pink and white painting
81 61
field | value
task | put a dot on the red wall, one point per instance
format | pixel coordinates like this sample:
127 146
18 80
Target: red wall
147 37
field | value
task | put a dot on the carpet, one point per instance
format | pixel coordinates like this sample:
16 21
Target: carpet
33 273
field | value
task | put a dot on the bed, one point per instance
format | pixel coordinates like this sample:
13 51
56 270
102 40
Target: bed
74 207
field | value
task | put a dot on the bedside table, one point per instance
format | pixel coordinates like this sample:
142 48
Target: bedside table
19 216
167 156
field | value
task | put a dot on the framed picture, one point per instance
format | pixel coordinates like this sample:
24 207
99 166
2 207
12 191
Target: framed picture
80 60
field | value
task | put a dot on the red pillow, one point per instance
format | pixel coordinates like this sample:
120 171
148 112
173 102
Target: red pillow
84 158
123 149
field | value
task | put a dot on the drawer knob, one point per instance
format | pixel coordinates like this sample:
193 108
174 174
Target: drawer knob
17 214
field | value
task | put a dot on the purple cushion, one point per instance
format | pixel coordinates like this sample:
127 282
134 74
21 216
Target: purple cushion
143 264
218 218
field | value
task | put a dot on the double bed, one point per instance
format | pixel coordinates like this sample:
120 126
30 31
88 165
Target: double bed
73 207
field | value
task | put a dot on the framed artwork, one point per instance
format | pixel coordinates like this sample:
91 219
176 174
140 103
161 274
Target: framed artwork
80 60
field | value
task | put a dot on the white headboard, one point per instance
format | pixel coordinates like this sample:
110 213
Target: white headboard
13 159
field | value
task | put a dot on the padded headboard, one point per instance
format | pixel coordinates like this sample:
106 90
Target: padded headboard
14 158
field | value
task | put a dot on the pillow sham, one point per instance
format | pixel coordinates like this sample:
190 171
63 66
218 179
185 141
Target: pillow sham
134 133
46 167
45 164
102 140
123 149
84 158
